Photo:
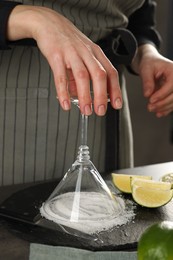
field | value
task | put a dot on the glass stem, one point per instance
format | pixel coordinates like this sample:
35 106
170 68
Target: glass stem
84 129
83 152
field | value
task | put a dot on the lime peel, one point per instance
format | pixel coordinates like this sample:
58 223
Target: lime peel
156 242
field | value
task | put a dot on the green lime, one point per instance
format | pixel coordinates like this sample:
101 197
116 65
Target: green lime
156 243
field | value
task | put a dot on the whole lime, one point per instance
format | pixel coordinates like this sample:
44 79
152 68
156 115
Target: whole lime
156 243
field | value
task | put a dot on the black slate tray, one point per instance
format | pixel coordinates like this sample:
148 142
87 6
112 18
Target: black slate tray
20 213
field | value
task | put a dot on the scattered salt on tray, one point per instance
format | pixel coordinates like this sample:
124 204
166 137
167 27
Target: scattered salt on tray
59 211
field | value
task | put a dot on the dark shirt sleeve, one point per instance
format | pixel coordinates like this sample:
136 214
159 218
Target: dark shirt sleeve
142 24
5 9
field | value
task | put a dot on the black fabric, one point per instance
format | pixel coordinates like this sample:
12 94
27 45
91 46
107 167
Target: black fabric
142 24
112 139
120 46
5 9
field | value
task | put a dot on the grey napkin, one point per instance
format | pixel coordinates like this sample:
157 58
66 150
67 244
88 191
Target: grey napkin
45 252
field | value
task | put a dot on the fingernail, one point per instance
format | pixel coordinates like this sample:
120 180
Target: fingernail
118 103
153 100
88 110
66 105
147 92
159 115
101 110
151 108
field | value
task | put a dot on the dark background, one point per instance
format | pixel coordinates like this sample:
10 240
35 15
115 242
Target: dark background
152 136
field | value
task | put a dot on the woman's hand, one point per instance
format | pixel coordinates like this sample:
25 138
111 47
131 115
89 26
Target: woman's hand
156 73
74 59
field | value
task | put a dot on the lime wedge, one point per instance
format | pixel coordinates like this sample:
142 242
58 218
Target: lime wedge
151 194
151 184
123 181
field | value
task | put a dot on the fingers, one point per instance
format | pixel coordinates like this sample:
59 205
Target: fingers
104 80
61 82
82 80
92 65
73 77
113 87
158 88
162 91
162 107
72 89
164 113
161 101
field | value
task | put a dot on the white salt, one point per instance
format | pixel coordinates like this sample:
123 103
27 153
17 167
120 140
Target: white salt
91 214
